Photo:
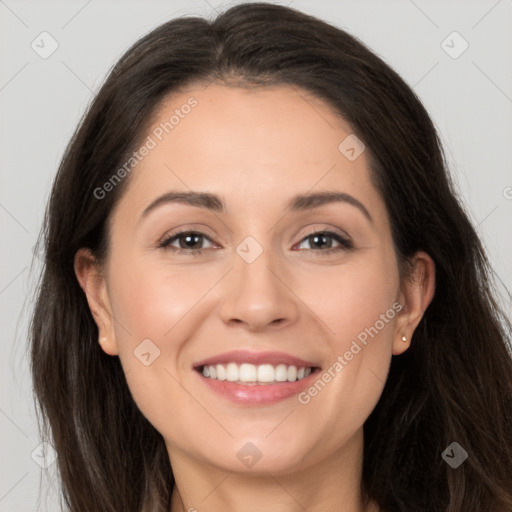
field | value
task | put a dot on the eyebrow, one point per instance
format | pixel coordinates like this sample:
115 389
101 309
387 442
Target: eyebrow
298 203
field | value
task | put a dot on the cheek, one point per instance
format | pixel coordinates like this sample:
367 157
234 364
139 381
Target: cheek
151 299
352 298
157 310
357 307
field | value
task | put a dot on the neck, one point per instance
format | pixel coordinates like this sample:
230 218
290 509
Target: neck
332 483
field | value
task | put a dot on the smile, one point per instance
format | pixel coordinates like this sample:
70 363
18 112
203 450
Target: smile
250 378
250 374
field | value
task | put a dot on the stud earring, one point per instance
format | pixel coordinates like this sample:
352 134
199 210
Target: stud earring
103 339
404 339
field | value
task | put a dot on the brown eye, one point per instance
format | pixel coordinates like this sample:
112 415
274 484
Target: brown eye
324 241
188 242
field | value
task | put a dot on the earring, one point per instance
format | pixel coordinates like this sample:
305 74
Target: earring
103 340
404 339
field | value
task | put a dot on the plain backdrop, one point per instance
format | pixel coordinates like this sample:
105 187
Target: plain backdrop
469 97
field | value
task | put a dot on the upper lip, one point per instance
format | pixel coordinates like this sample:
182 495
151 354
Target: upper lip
256 358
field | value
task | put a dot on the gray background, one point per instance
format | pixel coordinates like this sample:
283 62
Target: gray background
41 101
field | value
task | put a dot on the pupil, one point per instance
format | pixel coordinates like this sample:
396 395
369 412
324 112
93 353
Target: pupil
316 239
189 241
192 240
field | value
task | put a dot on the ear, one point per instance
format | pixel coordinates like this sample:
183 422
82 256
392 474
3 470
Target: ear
92 282
416 293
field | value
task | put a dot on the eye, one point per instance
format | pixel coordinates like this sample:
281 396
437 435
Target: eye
323 240
188 242
191 242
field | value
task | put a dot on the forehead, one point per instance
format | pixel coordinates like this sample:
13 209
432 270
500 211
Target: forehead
255 146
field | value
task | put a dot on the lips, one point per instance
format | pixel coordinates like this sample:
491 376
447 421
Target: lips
260 379
256 358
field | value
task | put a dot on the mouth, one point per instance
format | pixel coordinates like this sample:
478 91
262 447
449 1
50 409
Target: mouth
256 378
255 375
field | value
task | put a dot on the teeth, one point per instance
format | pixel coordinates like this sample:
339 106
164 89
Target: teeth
281 373
292 373
264 373
232 372
221 372
247 373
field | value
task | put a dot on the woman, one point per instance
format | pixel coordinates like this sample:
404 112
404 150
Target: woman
260 290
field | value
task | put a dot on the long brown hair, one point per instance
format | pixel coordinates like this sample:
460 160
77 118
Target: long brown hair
454 384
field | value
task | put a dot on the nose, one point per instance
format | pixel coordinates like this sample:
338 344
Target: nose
259 294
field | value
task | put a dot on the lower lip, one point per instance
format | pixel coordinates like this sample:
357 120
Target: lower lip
265 394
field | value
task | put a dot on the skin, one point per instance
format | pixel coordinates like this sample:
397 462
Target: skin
255 148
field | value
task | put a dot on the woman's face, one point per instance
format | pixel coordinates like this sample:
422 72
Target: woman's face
252 277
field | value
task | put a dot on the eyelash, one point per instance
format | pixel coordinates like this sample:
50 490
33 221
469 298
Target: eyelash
345 244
